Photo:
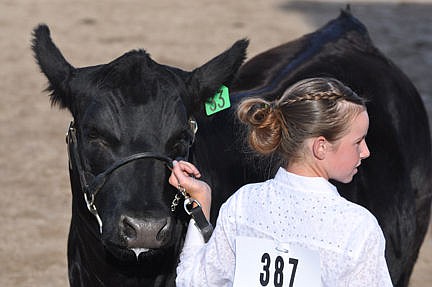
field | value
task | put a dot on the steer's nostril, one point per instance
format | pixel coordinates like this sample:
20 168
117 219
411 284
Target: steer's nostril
165 230
128 229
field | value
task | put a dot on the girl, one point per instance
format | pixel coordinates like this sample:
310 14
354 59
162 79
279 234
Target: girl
318 127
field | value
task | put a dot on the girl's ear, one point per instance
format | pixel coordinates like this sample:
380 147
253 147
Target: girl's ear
320 147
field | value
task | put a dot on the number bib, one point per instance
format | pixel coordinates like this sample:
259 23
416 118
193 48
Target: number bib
264 262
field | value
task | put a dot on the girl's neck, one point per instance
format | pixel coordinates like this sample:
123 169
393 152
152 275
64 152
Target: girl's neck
305 169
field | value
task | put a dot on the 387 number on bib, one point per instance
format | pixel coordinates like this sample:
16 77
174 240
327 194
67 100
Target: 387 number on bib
261 262
278 270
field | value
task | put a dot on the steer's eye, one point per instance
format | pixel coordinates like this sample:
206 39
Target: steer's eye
94 137
179 149
179 145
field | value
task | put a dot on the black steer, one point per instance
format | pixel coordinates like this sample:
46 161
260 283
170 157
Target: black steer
136 107
131 116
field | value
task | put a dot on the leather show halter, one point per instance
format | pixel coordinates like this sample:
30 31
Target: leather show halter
91 189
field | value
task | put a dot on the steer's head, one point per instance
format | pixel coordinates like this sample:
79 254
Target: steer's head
131 105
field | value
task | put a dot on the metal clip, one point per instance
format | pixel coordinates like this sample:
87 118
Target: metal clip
282 247
92 208
194 125
188 204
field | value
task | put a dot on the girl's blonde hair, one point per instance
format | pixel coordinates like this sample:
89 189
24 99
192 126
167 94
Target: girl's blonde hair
310 108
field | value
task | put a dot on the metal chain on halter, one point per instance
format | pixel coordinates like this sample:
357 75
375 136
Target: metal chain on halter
179 195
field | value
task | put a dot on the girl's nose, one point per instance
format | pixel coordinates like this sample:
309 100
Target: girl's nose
365 153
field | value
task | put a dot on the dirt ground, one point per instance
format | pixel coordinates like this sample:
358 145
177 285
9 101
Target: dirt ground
35 197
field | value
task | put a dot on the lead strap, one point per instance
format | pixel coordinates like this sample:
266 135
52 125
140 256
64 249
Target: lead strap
201 222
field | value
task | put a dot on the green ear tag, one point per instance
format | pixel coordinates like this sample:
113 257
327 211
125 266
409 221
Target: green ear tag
219 102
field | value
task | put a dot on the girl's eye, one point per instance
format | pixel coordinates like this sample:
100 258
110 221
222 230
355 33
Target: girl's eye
360 141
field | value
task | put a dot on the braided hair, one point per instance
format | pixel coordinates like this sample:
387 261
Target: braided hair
309 108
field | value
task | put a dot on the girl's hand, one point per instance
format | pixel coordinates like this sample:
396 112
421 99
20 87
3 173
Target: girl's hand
186 174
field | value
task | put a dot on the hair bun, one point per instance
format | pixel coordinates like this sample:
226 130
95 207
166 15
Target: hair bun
263 122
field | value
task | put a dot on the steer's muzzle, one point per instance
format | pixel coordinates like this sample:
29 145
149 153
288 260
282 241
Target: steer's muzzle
148 233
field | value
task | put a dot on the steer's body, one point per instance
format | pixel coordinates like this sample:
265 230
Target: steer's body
135 105
395 183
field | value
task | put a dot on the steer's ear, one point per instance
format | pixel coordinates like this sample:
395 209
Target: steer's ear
53 65
206 80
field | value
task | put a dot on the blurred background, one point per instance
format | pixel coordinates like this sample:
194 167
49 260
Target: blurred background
35 196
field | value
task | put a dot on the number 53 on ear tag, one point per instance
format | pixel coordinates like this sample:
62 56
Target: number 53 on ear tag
263 262
220 101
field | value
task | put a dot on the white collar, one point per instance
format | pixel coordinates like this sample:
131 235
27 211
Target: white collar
304 183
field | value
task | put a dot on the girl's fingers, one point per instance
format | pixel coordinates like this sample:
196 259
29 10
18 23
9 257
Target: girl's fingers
189 168
186 168
183 173
173 180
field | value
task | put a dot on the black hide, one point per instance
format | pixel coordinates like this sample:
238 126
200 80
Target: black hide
134 104
395 182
